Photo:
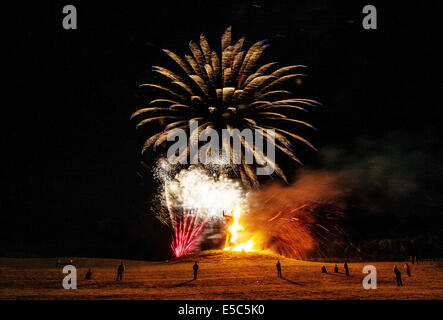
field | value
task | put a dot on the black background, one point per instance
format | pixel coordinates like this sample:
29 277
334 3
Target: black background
70 153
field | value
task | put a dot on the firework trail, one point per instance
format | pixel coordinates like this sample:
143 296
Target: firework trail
228 91
186 232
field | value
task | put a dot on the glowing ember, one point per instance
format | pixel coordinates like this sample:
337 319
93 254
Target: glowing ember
186 232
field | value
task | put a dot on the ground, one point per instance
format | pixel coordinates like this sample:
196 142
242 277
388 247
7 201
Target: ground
222 275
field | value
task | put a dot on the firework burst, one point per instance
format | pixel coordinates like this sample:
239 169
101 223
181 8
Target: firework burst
228 91
186 232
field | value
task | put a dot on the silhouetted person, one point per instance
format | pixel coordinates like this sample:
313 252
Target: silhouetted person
411 259
58 263
408 270
195 267
346 269
336 269
416 260
323 270
278 265
398 276
71 261
120 270
88 275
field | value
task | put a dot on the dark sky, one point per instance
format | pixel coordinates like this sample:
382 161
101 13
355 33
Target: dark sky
70 152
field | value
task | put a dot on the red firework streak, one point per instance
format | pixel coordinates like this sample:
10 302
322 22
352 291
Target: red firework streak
186 232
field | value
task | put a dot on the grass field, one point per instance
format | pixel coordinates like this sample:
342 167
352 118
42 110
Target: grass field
222 275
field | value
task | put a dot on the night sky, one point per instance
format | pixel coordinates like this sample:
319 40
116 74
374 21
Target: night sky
70 153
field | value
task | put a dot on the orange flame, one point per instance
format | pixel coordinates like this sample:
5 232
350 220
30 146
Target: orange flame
234 230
